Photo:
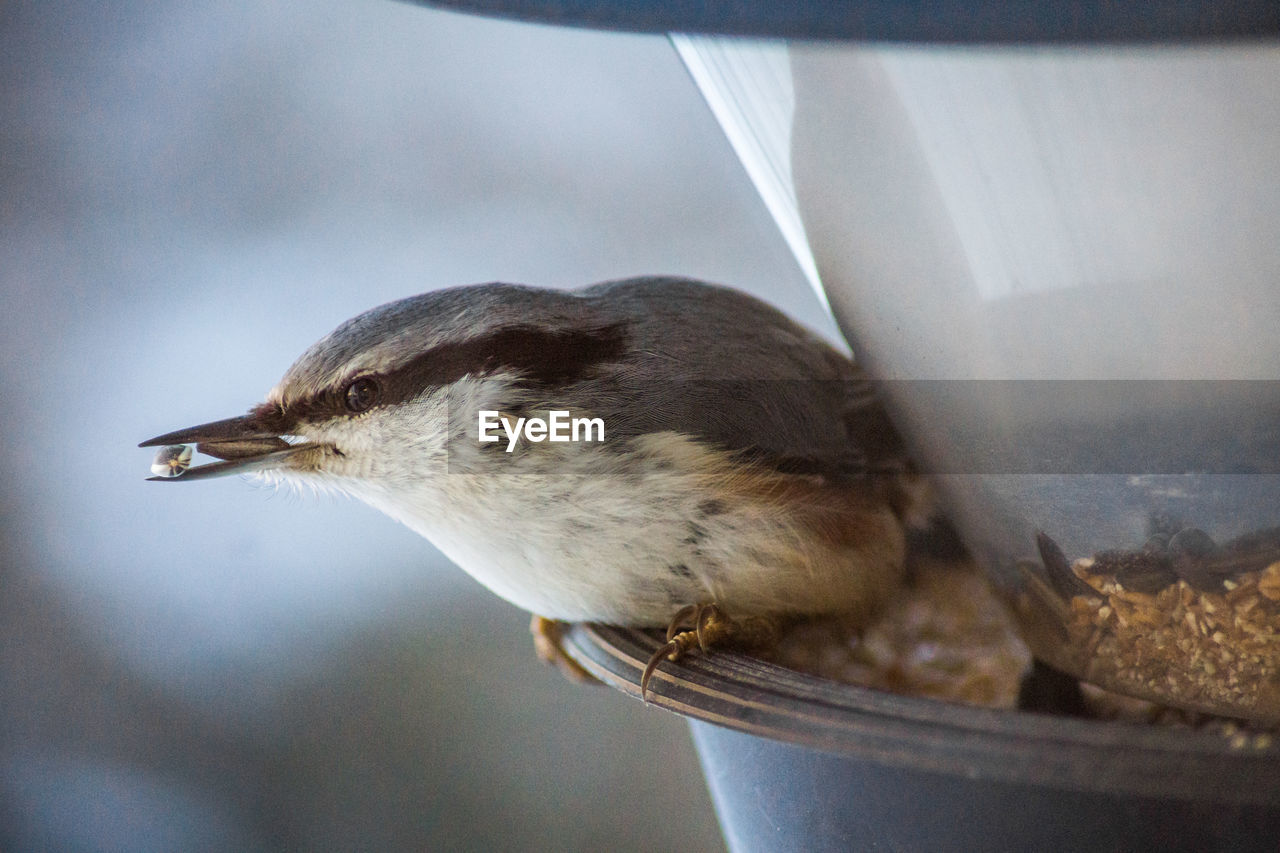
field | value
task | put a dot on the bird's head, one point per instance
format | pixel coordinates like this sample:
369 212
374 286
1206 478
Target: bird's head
381 398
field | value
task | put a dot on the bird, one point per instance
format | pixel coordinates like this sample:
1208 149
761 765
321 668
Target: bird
734 471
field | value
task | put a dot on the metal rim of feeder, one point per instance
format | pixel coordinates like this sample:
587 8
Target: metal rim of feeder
748 695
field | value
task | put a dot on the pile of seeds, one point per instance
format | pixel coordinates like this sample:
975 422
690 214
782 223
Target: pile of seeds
1213 648
946 637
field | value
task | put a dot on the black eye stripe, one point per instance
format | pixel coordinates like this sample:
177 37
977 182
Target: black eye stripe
540 356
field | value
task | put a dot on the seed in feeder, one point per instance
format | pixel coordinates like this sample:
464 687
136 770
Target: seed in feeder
172 461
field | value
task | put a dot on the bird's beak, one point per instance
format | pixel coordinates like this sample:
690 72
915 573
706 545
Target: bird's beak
244 444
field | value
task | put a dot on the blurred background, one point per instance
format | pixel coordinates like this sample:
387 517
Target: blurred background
189 197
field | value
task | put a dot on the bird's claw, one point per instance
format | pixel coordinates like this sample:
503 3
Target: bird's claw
697 617
703 625
672 651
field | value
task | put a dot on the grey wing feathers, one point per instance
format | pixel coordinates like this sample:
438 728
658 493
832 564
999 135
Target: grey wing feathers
722 366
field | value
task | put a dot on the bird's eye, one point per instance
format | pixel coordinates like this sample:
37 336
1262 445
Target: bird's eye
361 394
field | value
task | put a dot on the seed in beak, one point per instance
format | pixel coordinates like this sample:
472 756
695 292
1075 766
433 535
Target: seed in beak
172 461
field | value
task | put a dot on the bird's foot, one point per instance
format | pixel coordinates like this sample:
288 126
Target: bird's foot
705 626
548 643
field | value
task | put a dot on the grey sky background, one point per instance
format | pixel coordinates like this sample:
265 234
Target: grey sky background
189 197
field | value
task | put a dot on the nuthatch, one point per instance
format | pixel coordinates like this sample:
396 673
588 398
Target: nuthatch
746 473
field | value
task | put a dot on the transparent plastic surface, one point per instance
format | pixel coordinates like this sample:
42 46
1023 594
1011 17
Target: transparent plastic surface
1066 264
